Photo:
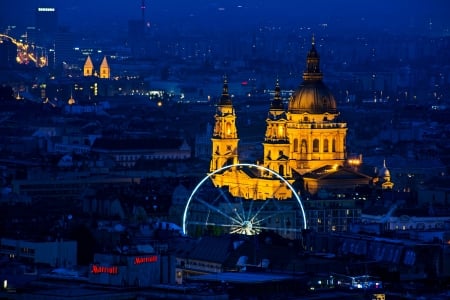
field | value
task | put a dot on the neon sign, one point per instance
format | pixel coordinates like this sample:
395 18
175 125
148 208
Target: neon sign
46 9
112 270
145 259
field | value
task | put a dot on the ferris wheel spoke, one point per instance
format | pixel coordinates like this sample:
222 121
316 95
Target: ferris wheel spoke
230 206
217 210
243 230
278 213
250 209
279 228
210 224
242 209
259 210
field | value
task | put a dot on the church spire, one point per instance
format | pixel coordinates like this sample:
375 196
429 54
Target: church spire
277 103
88 68
225 99
105 71
276 142
312 72
225 138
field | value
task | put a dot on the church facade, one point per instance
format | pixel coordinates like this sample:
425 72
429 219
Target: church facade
305 140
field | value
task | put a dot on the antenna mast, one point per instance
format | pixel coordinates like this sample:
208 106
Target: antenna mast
143 10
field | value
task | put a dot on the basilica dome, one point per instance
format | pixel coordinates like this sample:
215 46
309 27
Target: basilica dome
312 96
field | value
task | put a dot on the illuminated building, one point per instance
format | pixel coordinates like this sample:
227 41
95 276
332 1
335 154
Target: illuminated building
249 184
384 176
137 269
105 70
71 100
307 139
305 143
88 69
25 53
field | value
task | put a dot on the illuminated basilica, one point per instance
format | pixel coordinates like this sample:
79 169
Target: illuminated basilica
306 141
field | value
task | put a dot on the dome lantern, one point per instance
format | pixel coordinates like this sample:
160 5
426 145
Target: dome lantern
312 96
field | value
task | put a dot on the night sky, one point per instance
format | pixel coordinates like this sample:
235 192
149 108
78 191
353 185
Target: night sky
396 15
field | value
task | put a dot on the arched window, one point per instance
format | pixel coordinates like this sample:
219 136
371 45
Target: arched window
280 132
295 145
333 145
316 145
325 145
228 129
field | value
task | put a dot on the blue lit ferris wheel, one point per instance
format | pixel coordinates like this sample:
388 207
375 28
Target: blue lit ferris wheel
213 210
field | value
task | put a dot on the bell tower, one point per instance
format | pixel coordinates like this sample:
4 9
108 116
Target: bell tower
276 142
225 138
88 68
105 71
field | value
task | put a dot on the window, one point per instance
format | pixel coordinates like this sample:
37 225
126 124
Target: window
333 145
228 129
295 145
325 145
280 131
281 170
316 145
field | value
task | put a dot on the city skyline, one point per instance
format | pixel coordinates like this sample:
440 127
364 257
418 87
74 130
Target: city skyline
402 16
302 140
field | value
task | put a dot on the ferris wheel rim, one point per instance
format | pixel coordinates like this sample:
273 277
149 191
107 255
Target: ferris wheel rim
209 175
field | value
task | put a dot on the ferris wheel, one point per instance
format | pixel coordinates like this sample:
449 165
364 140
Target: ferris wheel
213 210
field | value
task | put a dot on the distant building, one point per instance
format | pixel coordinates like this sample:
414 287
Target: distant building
306 137
8 53
65 189
88 69
137 37
203 144
46 25
104 71
54 253
140 269
64 43
305 144
127 152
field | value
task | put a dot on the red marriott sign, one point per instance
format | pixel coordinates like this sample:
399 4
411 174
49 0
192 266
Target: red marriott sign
145 259
97 269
